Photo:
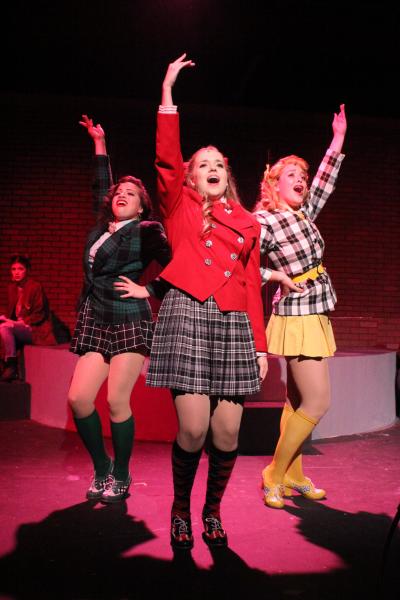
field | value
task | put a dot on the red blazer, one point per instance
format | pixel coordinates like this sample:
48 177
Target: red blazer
34 311
226 262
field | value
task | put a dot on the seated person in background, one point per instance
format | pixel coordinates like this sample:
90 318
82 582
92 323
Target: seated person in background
27 320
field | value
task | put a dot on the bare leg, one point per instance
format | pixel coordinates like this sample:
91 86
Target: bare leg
193 412
90 372
225 424
311 378
124 372
295 478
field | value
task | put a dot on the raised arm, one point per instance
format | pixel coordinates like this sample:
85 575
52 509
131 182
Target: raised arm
339 126
172 73
102 180
97 134
324 182
169 162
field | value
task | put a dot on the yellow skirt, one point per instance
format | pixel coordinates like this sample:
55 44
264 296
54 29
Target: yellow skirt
308 335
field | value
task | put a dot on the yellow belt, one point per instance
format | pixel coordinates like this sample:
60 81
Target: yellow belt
311 274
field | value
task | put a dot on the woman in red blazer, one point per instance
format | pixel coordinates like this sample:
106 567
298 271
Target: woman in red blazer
209 346
28 316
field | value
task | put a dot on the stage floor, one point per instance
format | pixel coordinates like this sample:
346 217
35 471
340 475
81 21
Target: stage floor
54 544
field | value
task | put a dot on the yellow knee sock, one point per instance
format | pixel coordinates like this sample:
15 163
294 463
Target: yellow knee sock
287 412
296 429
295 469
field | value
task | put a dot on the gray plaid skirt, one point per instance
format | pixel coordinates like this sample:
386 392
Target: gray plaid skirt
110 340
199 349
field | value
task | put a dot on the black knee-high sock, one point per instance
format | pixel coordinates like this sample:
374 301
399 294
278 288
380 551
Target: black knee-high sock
184 468
122 438
220 465
90 432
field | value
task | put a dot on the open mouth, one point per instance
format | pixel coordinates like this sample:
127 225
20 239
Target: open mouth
121 203
299 189
213 179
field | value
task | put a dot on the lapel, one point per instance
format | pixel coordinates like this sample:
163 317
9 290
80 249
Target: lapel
113 243
238 219
92 237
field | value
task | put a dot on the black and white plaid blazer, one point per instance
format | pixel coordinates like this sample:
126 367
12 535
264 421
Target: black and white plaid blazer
293 244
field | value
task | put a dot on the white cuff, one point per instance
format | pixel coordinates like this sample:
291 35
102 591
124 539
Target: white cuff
168 110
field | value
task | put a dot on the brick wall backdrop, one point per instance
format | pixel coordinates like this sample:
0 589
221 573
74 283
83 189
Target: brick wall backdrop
45 194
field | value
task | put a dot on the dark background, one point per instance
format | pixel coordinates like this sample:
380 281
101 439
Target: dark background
309 55
265 85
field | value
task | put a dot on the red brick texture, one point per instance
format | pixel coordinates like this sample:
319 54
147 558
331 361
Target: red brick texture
45 199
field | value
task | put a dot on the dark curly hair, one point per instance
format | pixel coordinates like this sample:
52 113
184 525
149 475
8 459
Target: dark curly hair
106 214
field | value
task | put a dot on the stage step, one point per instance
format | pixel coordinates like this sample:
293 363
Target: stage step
259 431
15 401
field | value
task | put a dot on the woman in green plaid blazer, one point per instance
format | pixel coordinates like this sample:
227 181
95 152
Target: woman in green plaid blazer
113 333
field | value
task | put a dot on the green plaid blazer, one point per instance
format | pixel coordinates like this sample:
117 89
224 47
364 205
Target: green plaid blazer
127 252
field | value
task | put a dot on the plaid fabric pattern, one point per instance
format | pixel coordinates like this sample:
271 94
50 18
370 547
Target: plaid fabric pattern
220 467
127 252
199 349
294 245
110 340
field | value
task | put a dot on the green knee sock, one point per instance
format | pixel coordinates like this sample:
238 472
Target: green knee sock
90 432
122 439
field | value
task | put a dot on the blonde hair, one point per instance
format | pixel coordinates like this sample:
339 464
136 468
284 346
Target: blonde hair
231 188
269 196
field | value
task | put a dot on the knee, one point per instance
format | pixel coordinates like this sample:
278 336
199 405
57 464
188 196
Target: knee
226 438
192 437
118 407
80 405
325 403
318 408
322 410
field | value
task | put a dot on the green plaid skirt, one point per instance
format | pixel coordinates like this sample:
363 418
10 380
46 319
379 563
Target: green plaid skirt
110 340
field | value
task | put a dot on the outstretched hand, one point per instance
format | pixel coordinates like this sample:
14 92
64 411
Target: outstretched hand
339 124
174 69
96 132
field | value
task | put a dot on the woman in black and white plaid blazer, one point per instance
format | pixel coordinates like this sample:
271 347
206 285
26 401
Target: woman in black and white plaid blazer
299 327
113 332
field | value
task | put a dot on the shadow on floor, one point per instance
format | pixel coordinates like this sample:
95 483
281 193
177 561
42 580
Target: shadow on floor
78 554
